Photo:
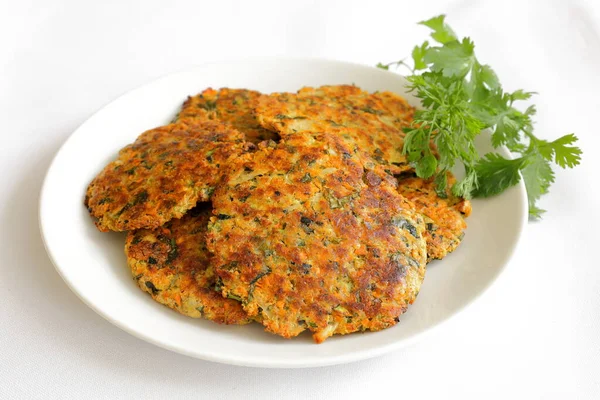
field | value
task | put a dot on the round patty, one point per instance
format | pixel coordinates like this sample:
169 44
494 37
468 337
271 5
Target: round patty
444 217
309 236
171 263
373 122
164 173
233 106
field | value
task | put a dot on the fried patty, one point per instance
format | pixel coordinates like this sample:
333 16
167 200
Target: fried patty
233 106
171 263
164 173
311 237
373 121
444 217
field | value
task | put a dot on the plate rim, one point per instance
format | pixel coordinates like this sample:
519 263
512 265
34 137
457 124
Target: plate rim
357 355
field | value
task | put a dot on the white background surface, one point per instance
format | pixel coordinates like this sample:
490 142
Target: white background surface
534 335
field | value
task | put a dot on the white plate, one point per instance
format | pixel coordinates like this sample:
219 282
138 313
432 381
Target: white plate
93 263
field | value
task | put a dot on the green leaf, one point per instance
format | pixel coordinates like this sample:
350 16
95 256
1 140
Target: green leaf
426 166
488 108
509 124
564 155
418 55
454 59
520 95
516 147
416 143
538 176
466 186
482 83
383 66
442 33
530 111
460 97
544 148
441 184
488 77
507 129
497 174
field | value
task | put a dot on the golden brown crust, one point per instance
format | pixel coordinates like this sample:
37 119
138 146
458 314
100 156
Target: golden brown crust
398 113
164 173
233 106
171 263
310 236
374 122
444 217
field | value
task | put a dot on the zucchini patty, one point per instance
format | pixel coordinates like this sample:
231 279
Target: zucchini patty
164 173
373 122
309 235
233 106
444 217
171 263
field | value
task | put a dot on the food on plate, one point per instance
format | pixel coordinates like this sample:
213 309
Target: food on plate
327 203
310 236
372 121
164 173
171 263
444 216
233 106
298 211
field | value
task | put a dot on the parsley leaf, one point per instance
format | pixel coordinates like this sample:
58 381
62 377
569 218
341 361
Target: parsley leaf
418 55
483 81
427 166
454 59
497 173
442 33
566 156
461 97
538 177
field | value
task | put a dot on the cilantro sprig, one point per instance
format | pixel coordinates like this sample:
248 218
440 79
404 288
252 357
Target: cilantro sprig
461 97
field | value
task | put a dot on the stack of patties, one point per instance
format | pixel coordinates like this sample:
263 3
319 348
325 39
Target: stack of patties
295 210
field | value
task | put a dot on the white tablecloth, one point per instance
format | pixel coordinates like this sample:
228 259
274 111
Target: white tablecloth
533 335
